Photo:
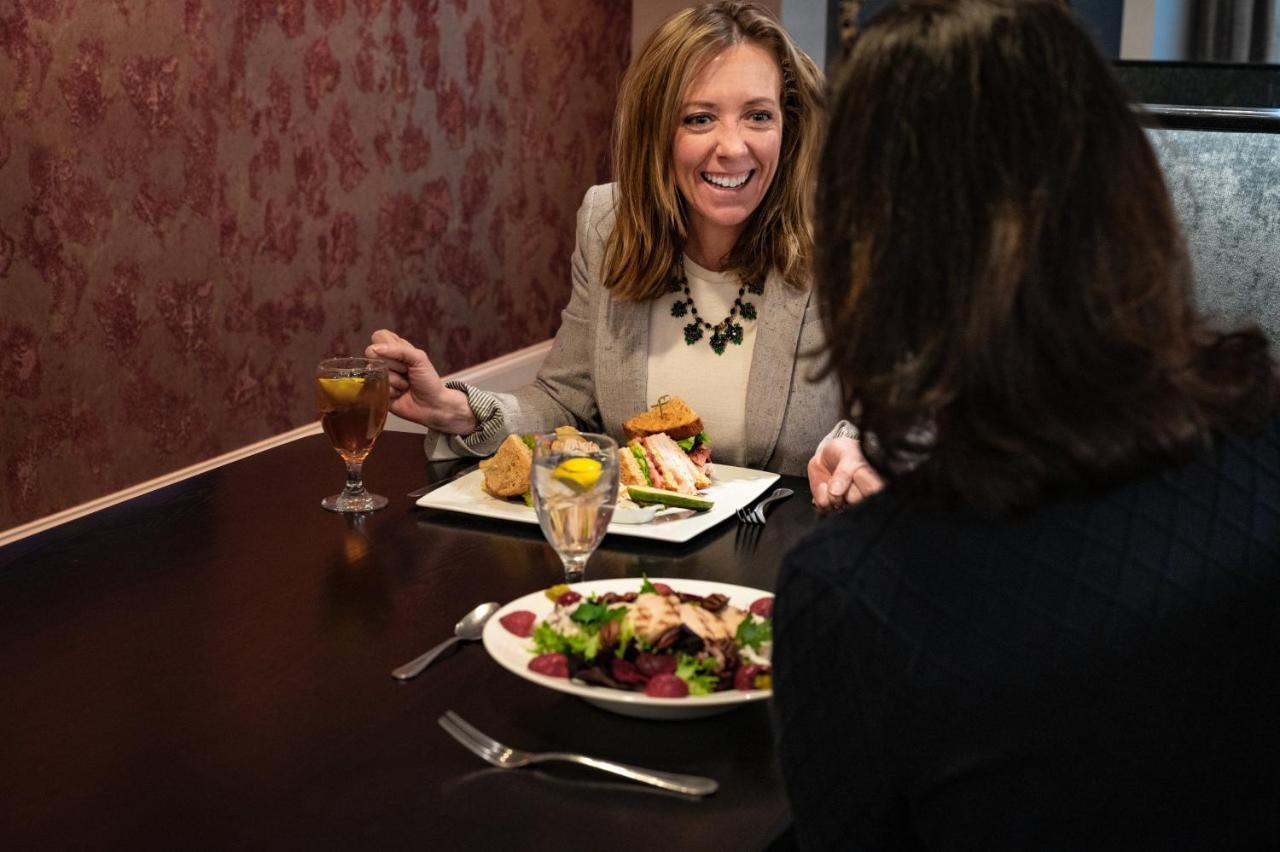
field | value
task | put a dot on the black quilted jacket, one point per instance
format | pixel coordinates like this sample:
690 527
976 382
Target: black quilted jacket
1099 674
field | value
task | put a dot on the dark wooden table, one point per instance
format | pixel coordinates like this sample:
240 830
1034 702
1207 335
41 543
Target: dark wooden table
207 666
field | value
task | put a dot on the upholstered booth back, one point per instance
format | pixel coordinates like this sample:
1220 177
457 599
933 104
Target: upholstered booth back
1226 187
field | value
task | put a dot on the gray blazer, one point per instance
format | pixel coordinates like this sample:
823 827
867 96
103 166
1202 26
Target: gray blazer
595 375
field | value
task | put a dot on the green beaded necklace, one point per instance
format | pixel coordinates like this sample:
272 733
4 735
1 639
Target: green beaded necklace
728 330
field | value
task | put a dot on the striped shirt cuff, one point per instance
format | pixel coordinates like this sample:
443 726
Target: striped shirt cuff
843 429
491 422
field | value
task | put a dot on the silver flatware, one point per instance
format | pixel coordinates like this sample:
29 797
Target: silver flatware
440 483
468 629
506 757
755 515
746 539
676 516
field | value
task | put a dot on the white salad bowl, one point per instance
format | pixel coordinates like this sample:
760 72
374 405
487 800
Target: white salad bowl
514 653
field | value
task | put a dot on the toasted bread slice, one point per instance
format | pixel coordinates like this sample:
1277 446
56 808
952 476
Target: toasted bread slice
507 474
671 415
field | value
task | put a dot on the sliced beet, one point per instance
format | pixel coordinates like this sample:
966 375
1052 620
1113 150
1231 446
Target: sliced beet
655 664
551 665
568 598
745 677
625 671
763 608
519 622
666 686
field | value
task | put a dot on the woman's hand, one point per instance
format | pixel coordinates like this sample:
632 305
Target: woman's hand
417 391
840 475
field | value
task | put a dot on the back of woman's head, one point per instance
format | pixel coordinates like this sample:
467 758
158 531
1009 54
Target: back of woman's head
651 224
1006 289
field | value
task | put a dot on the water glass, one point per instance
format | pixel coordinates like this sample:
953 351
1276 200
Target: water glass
575 486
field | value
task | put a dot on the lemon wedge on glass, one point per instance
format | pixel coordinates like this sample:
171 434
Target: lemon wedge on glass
577 473
342 390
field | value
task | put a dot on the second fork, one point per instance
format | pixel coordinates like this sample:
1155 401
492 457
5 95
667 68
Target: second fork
505 757
756 515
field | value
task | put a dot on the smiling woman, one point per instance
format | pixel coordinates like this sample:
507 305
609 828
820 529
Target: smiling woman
691 272
705 73
726 148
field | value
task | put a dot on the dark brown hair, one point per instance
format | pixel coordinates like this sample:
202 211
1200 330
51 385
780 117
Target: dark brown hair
1006 290
651 224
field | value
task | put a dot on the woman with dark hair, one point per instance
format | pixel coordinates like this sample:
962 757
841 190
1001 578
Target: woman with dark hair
1056 627
691 272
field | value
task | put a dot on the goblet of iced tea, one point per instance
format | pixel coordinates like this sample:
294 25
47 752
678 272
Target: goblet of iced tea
352 396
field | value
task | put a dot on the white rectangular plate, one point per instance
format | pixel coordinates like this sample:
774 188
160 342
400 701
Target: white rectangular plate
731 489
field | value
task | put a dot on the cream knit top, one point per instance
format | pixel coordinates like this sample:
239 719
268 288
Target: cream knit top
714 385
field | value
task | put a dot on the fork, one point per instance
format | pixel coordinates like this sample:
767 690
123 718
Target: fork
755 515
506 757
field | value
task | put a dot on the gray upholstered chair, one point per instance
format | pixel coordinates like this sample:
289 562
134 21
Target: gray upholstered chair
1226 188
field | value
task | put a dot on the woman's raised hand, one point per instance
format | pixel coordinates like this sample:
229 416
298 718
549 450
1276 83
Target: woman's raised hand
840 475
417 391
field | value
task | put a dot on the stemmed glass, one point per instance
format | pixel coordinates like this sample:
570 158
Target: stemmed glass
352 396
575 485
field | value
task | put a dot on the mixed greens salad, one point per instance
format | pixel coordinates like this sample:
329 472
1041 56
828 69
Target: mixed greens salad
666 643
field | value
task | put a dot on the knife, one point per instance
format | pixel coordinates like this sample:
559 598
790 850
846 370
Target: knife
677 516
427 489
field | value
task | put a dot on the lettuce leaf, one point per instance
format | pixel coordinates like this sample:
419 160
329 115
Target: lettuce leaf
687 444
626 633
698 673
753 633
592 616
547 640
643 461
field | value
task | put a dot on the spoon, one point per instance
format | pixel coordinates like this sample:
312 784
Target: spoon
469 628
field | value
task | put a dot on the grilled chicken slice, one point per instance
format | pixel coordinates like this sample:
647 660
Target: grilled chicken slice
652 615
711 626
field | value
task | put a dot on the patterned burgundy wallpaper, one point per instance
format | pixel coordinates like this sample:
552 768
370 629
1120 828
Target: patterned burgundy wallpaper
199 199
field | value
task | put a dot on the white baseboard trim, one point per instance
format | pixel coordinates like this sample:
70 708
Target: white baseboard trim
50 521
503 373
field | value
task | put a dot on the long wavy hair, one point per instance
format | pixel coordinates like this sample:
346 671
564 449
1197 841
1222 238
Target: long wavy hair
1006 290
651 224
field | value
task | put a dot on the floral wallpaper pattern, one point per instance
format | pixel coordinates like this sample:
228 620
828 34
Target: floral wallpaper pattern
199 199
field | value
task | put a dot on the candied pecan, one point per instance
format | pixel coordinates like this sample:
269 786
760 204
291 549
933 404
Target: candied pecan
678 638
668 638
715 603
609 633
725 652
